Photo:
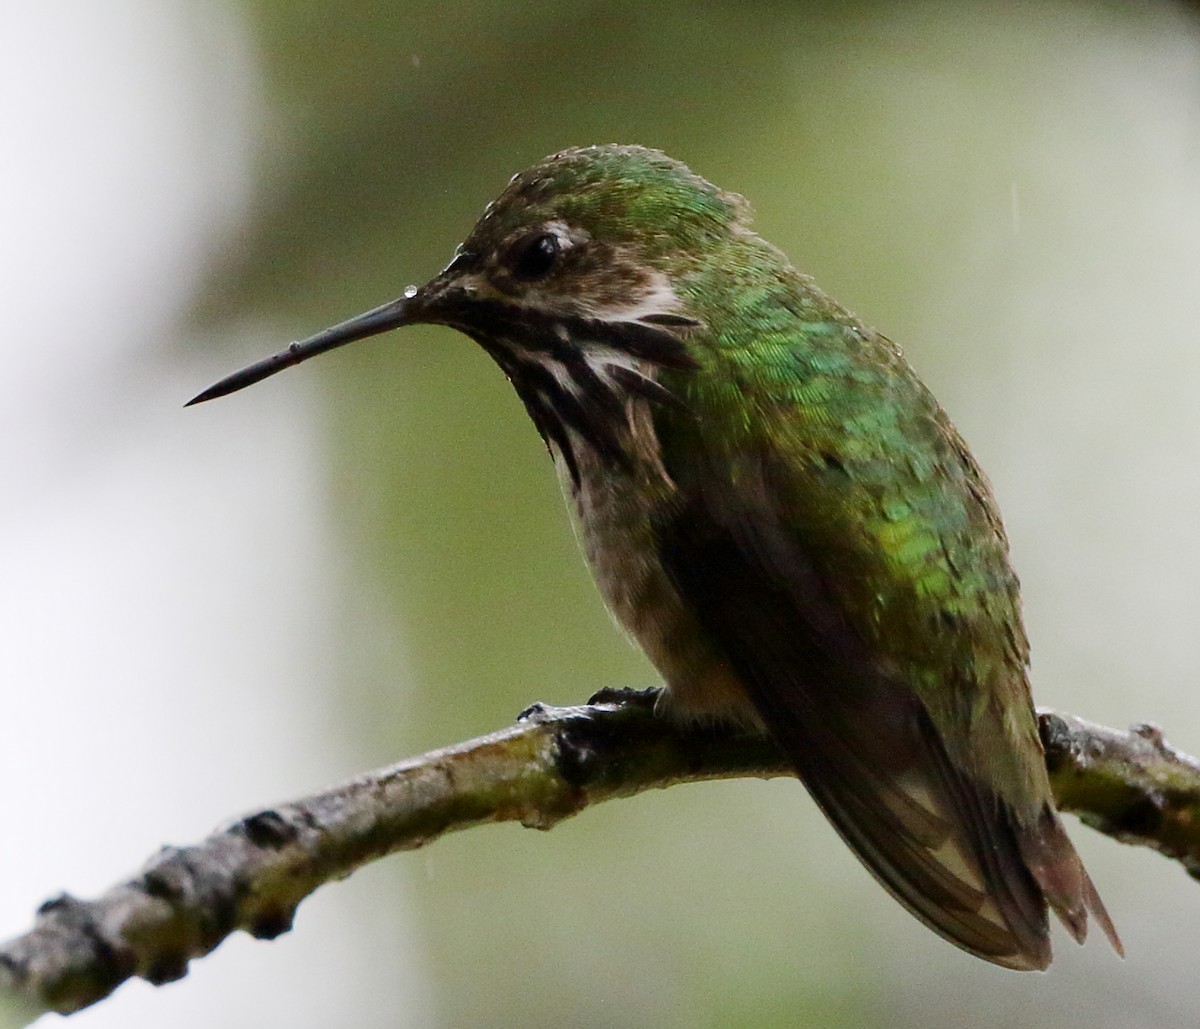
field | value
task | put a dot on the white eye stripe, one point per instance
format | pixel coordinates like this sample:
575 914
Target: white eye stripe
658 299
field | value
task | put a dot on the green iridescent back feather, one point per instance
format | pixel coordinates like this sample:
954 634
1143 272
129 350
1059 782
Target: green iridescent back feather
880 488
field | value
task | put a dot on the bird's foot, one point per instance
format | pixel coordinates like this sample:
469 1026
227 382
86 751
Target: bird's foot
626 696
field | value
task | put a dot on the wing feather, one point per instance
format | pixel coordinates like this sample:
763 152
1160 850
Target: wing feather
861 741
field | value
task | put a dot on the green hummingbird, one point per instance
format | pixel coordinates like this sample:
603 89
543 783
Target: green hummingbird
781 515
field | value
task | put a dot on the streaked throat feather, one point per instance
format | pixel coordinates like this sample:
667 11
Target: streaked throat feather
580 376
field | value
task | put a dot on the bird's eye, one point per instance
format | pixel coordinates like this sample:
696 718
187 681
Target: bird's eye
536 256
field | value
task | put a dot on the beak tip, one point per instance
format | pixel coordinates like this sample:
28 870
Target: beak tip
217 390
380 319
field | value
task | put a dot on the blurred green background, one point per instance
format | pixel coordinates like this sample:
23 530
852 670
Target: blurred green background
368 557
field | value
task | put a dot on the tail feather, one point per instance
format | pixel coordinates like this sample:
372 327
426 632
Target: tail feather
976 862
952 851
1055 865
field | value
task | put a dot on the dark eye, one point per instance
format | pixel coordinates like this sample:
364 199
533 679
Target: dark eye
535 256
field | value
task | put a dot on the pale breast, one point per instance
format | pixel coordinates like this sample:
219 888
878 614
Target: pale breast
613 509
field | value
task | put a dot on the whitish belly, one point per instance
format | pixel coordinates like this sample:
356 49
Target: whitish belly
612 515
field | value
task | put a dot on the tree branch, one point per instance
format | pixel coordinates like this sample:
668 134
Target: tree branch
554 762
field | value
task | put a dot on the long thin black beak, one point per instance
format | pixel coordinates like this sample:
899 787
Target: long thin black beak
388 316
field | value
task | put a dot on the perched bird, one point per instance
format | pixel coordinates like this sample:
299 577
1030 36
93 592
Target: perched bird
782 516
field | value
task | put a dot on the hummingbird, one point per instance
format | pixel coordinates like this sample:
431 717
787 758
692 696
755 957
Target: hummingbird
778 511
